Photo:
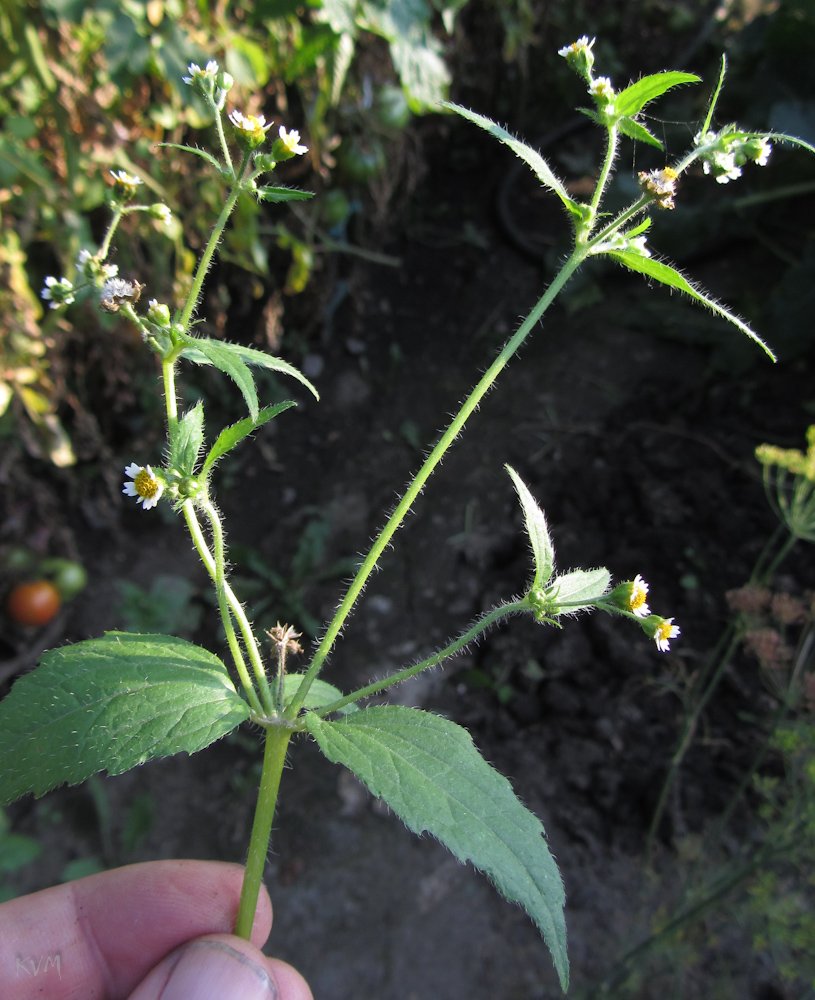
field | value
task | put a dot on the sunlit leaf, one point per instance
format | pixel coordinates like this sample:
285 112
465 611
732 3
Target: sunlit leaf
542 548
230 436
637 95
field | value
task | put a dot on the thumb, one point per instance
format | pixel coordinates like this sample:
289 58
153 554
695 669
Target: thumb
221 967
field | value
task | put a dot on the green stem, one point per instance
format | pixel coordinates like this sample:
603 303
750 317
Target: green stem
634 209
780 556
274 758
209 250
237 610
118 212
611 151
170 399
211 565
415 488
219 125
402 675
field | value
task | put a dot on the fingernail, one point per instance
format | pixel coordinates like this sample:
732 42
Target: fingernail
212 970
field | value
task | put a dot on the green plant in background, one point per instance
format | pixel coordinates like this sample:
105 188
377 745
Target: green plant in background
126 698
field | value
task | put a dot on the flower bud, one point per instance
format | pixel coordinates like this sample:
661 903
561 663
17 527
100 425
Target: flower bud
162 213
158 313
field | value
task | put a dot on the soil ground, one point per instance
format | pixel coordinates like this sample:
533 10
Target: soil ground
639 447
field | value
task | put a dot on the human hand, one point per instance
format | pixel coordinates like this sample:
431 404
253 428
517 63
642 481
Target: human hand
155 931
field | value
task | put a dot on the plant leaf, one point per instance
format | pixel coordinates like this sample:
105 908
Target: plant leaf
634 130
229 361
578 589
277 194
637 95
230 436
526 153
111 703
187 440
542 548
192 149
675 279
249 356
429 772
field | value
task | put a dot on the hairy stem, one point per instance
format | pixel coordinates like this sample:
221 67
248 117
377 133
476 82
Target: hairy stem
212 243
415 488
211 565
274 758
605 173
402 675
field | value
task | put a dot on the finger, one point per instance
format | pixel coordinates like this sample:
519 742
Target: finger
221 967
98 937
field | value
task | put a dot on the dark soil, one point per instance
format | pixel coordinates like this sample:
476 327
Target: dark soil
638 446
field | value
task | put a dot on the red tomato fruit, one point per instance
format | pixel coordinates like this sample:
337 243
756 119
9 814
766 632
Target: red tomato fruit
33 603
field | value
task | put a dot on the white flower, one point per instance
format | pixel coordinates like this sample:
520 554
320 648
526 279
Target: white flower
601 87
664 632
291 141
162 213
762 153
146 486
637 601
195 71
82 260
125 179
59 293
580 45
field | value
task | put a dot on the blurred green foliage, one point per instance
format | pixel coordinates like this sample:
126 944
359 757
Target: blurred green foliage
89 88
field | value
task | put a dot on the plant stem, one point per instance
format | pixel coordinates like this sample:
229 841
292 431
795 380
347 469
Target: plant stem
430 463
274 758
402 675
118 212
170 401
611 151
209 250
211 565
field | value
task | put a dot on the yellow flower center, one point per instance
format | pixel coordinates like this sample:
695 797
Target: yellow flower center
637 598
664 630
146 485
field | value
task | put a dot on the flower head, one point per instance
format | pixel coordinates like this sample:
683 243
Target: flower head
202 79
288 144
660 184
603 93
250 130
664 632
146 486
90 267
580 56
58 293
125 185
116 291
637 601
162 213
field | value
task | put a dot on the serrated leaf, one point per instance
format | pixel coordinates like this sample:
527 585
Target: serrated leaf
111 704
230 436
542 548
529 155
187 440
278 194
227 359
675 279
634 130
429 772
637 95
249 356
578 589
192 149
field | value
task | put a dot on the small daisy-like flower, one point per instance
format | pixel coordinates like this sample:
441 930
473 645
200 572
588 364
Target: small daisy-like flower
145 485
58 293
580 56
250 130
125 185
601 90
162 213
291 141
664 632
758 150
637 602
660 184
196 73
